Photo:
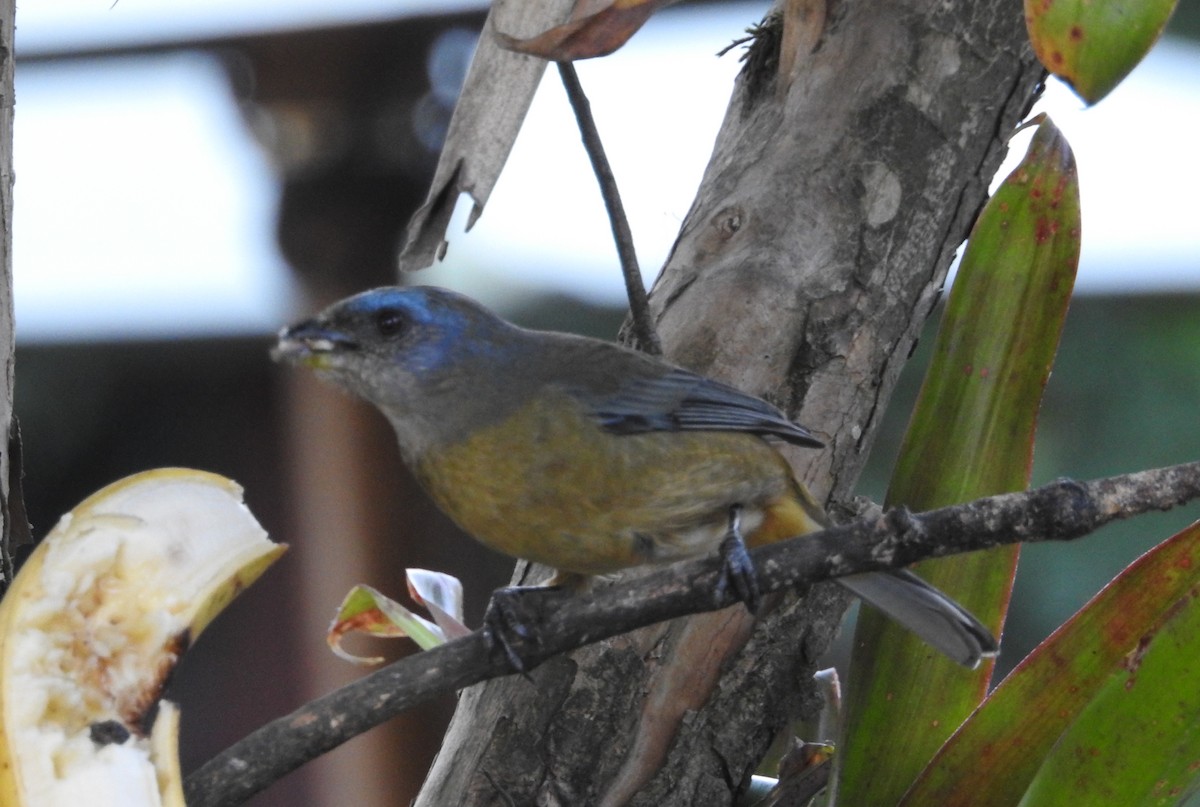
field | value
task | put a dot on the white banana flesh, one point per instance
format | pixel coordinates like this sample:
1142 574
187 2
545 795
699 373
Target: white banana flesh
95 622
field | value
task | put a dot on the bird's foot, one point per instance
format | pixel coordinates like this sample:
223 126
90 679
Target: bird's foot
509 619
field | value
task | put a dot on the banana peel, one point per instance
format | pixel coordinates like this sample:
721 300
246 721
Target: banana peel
95 622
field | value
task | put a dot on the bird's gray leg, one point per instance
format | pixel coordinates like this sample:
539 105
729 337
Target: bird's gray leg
737 570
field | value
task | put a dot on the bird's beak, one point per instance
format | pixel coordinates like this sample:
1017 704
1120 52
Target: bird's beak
311 344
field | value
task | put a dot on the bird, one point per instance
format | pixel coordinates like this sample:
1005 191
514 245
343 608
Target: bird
584 455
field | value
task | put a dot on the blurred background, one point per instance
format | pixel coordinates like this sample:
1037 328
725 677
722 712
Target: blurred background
193 175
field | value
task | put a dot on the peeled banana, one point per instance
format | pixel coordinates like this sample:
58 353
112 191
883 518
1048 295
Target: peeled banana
95 622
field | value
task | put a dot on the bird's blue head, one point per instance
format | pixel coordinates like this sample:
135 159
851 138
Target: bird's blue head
393 345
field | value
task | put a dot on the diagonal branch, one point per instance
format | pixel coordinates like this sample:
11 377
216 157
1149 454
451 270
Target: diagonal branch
639 305
561 621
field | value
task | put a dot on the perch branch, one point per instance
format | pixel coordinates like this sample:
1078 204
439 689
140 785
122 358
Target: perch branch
560 621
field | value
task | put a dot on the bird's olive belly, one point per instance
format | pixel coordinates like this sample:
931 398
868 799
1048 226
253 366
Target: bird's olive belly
557 489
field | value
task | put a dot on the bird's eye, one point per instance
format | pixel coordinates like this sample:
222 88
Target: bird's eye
390 323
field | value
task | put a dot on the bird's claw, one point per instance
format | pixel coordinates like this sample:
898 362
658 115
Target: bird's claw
507 623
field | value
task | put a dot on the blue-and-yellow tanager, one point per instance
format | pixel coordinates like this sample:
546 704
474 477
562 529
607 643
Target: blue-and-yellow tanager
581 454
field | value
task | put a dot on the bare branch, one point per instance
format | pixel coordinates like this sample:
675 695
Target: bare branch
639 306
561 621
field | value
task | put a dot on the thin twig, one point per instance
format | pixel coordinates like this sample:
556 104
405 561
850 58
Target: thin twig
560 621
639 305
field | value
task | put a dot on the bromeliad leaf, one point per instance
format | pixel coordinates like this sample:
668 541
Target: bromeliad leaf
1093 44
971 435
1114 687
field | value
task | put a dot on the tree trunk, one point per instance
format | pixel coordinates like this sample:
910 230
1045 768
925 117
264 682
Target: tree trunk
816 247
7 338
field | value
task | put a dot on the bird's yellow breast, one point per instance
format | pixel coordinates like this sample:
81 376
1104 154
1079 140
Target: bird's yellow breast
549 485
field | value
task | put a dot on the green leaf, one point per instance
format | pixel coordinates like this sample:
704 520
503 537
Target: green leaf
971 435
1093 44
1119 678
1138 741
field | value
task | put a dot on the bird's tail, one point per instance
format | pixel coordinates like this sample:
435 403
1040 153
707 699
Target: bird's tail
927 612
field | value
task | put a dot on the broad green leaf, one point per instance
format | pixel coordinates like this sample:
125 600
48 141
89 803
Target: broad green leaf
1138 741
1119 677
971 435
1093 44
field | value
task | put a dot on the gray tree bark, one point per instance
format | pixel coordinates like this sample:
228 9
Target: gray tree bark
813 253
7 338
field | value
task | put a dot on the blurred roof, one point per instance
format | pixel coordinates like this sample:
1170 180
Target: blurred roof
57 27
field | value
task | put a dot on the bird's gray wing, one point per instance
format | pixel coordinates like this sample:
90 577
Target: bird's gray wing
678 400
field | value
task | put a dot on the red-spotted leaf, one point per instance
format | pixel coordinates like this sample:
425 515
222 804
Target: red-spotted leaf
1093 44
971 435
1104 712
